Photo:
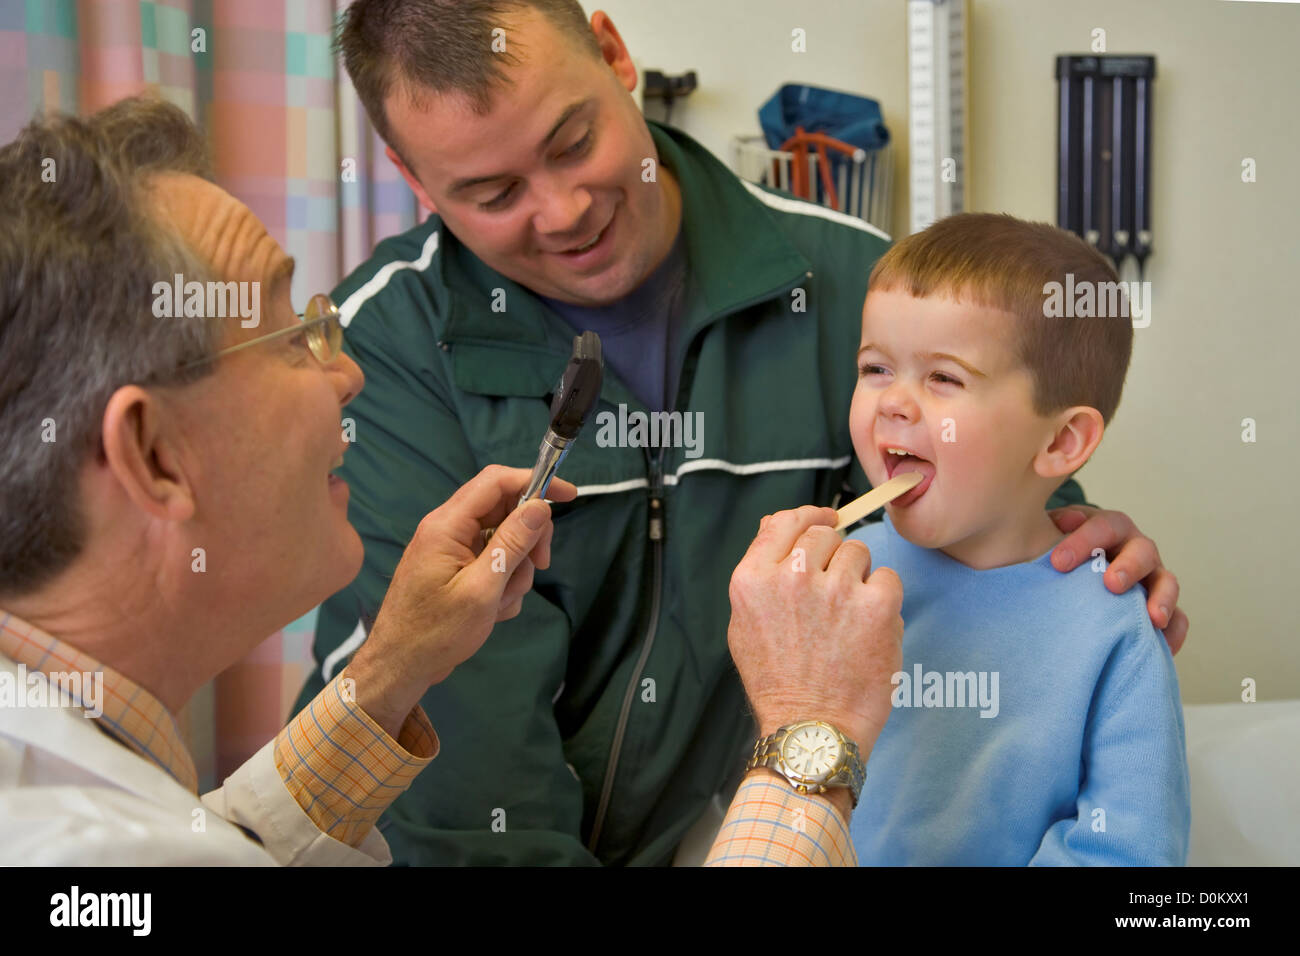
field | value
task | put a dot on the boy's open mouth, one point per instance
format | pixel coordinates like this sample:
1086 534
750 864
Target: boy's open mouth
899 460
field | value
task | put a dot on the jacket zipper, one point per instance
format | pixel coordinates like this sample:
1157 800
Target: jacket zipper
656 534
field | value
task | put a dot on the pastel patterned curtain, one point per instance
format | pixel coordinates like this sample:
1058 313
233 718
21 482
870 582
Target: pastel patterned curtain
282 117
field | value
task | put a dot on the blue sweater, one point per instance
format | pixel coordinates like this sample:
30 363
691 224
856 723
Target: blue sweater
1049 733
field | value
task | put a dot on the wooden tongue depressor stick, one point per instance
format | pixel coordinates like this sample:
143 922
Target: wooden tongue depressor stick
859 508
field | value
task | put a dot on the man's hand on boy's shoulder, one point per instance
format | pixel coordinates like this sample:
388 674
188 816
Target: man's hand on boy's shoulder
1130 556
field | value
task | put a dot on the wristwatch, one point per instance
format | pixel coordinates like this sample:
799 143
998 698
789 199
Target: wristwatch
814 756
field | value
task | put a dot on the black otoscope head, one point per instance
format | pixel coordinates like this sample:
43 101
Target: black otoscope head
579 387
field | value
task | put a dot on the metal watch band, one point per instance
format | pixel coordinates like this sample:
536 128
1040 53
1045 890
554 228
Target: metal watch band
767 753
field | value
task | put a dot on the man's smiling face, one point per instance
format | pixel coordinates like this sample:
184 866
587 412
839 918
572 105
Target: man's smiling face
555 163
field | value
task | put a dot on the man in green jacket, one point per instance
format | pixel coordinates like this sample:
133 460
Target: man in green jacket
597 725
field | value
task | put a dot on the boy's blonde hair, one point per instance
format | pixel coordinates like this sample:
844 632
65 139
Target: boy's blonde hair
1000 262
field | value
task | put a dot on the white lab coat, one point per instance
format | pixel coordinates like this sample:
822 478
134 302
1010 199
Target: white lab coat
71 795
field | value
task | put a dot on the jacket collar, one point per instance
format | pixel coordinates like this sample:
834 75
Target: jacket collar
737 255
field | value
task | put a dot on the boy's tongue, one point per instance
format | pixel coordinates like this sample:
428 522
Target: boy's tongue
902 465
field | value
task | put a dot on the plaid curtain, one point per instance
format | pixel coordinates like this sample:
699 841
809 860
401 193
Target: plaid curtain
282 118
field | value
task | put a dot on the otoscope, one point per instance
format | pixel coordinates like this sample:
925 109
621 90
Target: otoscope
574 399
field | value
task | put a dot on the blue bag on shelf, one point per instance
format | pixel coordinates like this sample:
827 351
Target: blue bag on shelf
853 119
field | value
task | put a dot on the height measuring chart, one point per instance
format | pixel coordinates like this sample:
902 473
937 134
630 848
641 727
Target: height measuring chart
938 71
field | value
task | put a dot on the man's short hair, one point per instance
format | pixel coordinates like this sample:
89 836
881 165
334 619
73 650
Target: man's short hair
79 256
439 47
998 261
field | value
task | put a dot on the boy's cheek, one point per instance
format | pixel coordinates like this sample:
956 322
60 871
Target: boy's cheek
974 454
861 415
862 451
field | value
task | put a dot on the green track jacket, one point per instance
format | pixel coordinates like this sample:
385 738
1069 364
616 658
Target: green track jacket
596 725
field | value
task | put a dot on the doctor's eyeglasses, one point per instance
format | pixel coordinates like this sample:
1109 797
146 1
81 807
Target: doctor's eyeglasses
319 323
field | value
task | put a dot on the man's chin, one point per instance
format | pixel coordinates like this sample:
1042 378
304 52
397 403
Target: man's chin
338 562
611 284
351 555
596 292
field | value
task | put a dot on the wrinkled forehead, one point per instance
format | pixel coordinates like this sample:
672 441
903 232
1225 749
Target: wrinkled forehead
224 234
219 228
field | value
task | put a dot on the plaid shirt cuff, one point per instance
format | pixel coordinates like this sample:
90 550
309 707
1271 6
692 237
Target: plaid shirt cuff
769 824
342 768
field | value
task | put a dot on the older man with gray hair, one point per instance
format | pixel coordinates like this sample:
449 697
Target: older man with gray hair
166 500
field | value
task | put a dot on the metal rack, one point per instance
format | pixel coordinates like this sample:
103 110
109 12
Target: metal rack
861 182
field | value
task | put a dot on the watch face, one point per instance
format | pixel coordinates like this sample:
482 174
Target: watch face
811 751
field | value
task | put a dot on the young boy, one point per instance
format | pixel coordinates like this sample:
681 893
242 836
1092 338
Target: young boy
1037 718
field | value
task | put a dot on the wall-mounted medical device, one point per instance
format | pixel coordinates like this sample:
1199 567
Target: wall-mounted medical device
1104 152
938 115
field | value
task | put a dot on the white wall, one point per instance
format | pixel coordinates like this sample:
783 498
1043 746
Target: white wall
1222 345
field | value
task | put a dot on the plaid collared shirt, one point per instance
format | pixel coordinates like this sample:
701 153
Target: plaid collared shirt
344 770
340 766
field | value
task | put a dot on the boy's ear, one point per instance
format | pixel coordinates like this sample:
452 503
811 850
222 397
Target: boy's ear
1078 433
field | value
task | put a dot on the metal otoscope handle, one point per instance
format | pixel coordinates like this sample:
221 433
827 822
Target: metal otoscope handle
573 400
549 455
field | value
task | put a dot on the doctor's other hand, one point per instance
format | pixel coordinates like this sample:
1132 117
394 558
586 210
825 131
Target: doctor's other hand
813 636
450 588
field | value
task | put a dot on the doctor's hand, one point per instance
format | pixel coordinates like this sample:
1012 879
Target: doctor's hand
814 637
451 587
1132 557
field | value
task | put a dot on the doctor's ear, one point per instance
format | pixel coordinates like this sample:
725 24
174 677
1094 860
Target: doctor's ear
141 454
